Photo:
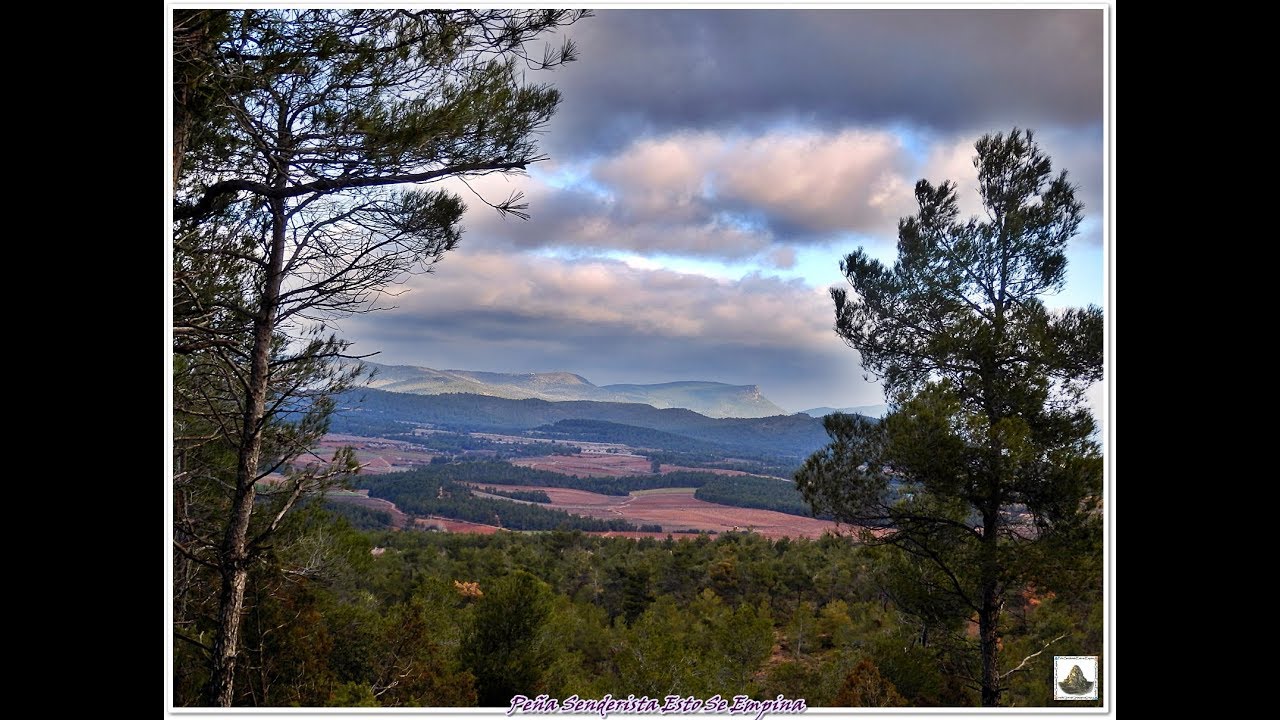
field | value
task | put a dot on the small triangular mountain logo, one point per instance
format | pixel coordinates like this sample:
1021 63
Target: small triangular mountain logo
1075 683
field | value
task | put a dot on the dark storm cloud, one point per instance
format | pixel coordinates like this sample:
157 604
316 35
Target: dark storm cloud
646 72
731 134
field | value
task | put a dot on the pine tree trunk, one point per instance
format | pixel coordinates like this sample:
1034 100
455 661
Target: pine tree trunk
989 614
234 555
226 645
989 639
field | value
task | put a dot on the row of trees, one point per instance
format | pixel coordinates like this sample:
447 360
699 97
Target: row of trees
427 492
305 146
494 472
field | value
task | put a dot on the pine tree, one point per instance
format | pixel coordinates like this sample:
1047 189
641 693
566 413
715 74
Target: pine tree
986 473
305 142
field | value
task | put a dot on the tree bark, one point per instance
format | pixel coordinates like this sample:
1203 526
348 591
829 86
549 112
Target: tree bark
989 613
235 550
989 638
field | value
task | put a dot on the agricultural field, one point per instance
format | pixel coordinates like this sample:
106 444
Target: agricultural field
449 525
589 464
677 509
606 465
376 455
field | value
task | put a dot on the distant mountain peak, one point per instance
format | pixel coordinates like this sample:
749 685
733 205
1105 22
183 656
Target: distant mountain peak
713 399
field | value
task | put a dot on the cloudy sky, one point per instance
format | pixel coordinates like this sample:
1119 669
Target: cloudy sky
709 168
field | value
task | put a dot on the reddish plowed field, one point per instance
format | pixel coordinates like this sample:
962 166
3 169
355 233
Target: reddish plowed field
597 465
455 526
588 465
678 510
377 455
672 509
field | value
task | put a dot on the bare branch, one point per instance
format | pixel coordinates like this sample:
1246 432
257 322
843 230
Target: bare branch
1028 658
212 194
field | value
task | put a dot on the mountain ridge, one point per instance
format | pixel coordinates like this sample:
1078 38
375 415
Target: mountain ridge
713 399
876 411
371 411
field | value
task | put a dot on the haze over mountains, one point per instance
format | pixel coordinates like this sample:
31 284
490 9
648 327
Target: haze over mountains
868 410
713 399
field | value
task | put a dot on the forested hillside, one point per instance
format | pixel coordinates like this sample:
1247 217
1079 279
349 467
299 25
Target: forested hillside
755 492
400 619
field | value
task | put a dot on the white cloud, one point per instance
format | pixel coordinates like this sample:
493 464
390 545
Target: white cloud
616 322
800 181
537 296
850 181
744 197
